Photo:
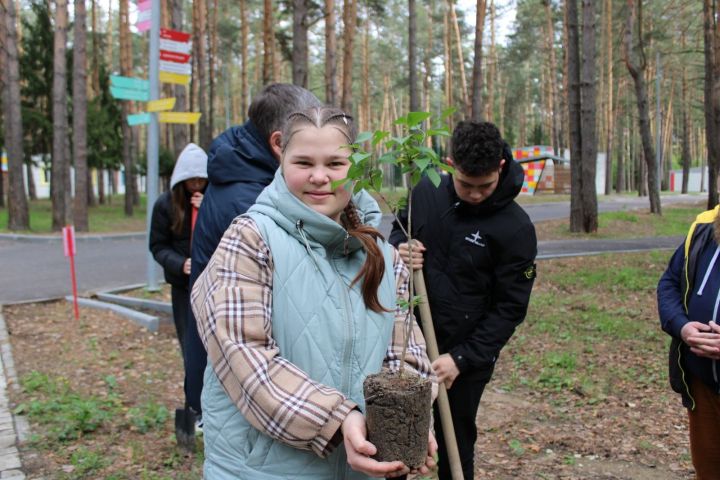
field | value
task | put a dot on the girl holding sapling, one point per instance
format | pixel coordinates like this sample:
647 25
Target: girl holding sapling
296 307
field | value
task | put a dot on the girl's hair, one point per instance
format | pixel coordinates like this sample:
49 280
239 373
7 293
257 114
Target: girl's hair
318 117
178 200
373 269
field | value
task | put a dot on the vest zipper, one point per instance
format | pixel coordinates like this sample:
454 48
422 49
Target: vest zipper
348 347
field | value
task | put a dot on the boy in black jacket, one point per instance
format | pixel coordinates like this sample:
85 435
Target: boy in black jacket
477 249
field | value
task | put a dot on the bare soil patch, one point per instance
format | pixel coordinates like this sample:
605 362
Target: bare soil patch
130 373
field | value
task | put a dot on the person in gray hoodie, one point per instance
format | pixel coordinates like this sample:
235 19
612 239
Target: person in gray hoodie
172 225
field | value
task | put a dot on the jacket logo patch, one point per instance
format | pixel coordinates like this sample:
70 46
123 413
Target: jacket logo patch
530 272
476 239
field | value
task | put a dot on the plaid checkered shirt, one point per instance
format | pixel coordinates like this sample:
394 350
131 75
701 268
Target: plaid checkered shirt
232 301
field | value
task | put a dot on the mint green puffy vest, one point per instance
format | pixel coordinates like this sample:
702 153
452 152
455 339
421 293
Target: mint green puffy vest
320 324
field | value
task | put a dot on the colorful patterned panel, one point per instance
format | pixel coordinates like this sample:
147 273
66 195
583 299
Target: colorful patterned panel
533 170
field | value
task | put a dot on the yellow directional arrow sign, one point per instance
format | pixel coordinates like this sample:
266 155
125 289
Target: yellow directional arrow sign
178 117
176 78
161 105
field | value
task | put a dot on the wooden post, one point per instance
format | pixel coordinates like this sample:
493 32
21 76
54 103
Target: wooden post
442 400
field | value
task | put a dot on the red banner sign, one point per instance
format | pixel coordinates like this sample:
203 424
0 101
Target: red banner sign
168 34
174 57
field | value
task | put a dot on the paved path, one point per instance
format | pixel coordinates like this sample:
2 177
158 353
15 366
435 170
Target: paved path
10 465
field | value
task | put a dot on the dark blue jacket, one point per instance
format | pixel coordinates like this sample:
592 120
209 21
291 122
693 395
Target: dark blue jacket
240 166
685 293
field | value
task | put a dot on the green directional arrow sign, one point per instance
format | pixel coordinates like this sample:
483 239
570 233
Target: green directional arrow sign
128 94
129 82
138 119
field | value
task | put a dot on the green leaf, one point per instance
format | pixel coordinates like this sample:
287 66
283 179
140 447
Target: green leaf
379 136
376 178
415 177
447 112
438 132
414 118
446 168
364 137
389 157
433 176
359 157
401 121
338 183
422 162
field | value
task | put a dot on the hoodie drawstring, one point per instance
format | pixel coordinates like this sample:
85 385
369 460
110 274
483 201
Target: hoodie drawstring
301 232
707 275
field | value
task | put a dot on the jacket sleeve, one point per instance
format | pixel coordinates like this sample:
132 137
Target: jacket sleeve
670 296
514 278
416 357
161 239
232 300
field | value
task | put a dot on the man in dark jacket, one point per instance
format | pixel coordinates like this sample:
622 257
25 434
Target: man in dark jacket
241 162
477 249
688 298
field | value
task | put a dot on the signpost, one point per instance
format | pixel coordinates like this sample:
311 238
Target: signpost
169 63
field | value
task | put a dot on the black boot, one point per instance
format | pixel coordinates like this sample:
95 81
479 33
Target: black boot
185 428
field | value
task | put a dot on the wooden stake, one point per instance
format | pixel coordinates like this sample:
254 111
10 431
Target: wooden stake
442 400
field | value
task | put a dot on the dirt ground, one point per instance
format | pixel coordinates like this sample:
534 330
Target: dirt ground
613 417
103 354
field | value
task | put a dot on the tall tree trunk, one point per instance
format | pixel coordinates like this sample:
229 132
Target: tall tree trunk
18 212
574 123
199 55
365 118
80 210
300 43
465 110
180 131
412 57
126 70
3 86
60 162
96 54
685 157
620 173
609 98
349 19
588 119
244 61
427 62
330 54
712 97
637 71
552 80
109 37
447 45
477 111
213 70
492 67
268 70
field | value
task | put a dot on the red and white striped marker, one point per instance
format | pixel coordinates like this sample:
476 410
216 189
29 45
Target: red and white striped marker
68 234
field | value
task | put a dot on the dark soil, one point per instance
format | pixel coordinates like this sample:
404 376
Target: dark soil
398 416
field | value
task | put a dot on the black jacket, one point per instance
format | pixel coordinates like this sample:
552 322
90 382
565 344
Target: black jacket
169 249
479 265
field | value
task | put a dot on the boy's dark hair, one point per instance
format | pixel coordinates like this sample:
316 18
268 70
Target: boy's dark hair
270 108
477 147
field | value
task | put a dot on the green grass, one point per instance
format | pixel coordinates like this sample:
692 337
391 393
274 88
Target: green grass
103 218
583 317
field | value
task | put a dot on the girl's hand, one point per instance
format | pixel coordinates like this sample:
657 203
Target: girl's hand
186 267
359 450
196 199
